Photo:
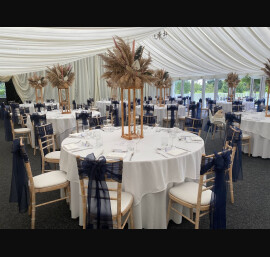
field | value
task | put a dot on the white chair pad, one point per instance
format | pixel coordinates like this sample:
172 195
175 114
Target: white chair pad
188 192
245 136
53 155
126 200
51 178
22 130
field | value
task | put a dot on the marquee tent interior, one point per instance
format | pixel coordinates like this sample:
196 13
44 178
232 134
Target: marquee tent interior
164 147
187 53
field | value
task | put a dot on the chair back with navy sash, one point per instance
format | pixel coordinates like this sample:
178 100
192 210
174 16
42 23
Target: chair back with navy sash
82 119
101 191
8 126
193 125
39 107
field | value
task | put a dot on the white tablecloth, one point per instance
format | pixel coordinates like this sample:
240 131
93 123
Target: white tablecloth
63 124
148 177
248 105
181 110
102 106
257 126
32 109
226 106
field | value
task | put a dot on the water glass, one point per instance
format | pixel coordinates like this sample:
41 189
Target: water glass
164 142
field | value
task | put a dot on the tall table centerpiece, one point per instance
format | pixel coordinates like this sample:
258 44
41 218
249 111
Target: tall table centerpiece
163 80
38 82
62 77
126 67
266 69
114 89
232 80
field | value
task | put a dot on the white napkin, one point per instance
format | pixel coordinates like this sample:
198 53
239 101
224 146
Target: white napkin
71 146
115 155
175 152
75 135
196 139
120 148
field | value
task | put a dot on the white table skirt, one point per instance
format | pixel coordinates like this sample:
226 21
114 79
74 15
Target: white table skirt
226 106
147 177
257 126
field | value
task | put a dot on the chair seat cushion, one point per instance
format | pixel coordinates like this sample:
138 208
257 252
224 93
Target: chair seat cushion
188 192
245 136
22 130
51 178
126 200
53 155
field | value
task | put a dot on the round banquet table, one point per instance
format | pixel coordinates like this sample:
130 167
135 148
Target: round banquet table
63 124
160 112
257 126
32 109
148 176
226 106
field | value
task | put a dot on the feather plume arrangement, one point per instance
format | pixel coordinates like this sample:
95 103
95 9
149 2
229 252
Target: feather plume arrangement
266 70
232 79
60 76
37 81
126 67
163 79
111 84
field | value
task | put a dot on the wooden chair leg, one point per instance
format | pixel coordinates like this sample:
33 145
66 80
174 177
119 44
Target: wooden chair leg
214 132
231 185
42 165
131 219
248 147
169 210
29 137
197 219
33 218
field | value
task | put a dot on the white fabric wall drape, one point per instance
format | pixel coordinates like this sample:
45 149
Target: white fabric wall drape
203 93
182 87
216 89
192 90
262 87
251 87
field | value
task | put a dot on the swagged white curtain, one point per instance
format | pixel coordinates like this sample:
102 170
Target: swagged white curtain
24 50
210 52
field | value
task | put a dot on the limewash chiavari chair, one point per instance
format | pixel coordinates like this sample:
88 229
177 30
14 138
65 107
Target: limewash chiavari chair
121 202
20 132
193 125
46 182
47 146
195 195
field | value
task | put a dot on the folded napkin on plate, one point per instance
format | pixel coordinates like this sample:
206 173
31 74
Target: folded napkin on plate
75 135
71 146
175 152
196 138
120 148
115 155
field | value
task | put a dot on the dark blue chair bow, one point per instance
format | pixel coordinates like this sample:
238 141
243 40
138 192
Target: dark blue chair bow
172 108
184 100
8 130
37 120
149 98
14 109
259 104
19 191
39 106
74 105
99 214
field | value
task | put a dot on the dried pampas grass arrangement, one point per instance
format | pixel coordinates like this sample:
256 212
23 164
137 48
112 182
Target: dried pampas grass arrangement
111 84
60 76
126 67
266 70
232 79
163 79
37 81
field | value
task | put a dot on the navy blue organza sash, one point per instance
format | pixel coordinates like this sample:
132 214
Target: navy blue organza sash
148 109
172 108
193 108
115 113
8 131
235 139
220 163
19 191
39 106
99 214
259 107
14 108
74 105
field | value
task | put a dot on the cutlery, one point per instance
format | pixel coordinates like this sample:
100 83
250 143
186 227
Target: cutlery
182 148
85 148
72 143
162 154
131 156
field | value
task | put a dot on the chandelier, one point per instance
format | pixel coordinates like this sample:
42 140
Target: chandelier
161 35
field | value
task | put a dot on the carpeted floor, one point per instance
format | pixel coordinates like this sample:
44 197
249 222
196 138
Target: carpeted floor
250 210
